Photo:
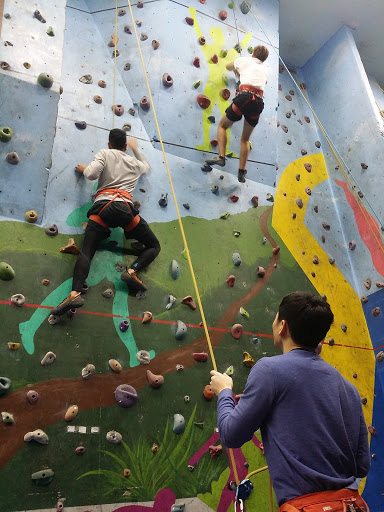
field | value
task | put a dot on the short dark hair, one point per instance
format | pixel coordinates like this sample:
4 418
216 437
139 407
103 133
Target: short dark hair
117 138
260 52
308 316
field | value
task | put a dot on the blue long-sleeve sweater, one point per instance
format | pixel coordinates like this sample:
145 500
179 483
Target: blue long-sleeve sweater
311 421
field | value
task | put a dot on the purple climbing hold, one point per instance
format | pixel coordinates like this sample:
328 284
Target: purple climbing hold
81 125
124 325
167 80
51 230
80 450
326 226
144 103
127 29
352 245
125 395
118 110
306 119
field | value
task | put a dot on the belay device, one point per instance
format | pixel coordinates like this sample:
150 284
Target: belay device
243 490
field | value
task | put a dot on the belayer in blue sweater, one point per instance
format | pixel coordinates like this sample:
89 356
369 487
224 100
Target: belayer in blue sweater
311 418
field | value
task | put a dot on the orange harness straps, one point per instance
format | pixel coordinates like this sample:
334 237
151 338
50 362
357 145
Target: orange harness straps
121 194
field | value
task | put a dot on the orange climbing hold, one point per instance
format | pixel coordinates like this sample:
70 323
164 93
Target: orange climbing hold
189 302
208 393
70 248
203 101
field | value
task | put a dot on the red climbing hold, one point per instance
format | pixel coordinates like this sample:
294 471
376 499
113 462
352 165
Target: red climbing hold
233 198
223 15
190 21
208 393
215 59
196 62
255 201
201 357
225 93
214 143
231 281
276 250
203 101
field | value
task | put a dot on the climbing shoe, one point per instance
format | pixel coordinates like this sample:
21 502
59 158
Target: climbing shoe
133 282
68 304
218 160
241 175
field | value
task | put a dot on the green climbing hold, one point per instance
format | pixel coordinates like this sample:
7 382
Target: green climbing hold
5 133
230 154
250 145
224 215
43 477
229 371
6 271
45 80
196 84
223 53
231 5
225 78
184 254
244 313
250 49
50 31
237 47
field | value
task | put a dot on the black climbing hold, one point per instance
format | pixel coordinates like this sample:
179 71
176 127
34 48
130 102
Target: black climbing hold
81 125
186 206
211 119
163 201
38 16
206 168
45 80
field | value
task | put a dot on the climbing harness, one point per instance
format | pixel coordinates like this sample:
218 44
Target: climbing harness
127 198
343 500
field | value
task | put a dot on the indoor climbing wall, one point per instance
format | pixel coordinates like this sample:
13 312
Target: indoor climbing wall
109 409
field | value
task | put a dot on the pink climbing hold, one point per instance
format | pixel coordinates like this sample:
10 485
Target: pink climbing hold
155 380
144 103
236 331
233 198
213 143
231 281
215 59
214 451
167 80
223 15
225 94
276 250
118 110
201 357
190 21
189 302
380 284
260 271
203 101
196 62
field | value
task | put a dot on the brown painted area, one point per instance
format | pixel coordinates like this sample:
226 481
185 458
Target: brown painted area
1 14
56 395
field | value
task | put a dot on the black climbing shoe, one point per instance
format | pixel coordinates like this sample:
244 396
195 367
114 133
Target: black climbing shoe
241 175
68 304
133 282
218 160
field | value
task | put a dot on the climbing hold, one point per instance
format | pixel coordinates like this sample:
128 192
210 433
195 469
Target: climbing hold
380 284
231 281
352 245
255 201
144 103
196 84
124 325
236 259
225 215
303 152
248 360
102 84
288 97
308 191
364 166
201 357
167 80
214 143
115 365
288 115
225 94
43 477
270 197
181 330
114 437
376 311
214 451
127 66
289 142
276 250
190 21
223 15
54 319
120 267
236 331
154 448
380 356
127 473
215 189
12 158
127 128
49 358
364 401
343 327
143 357
13 345
7 417
178 424
37 435
261 271
308 167
81 125
293 215
32 396
326 226
112 42
51 230
229 371
4 65
196 62
108 293
372 430
122 12
284 128
189 302
31 216
364 299
179 367
50 31
45 80
186 206
118 110
70 248
127 29
175 270
5 384
143 36
215 59
318 144
208 393
80 450
368 283
236 233
202 40
245 6
6 135
155 380
171 298
126 395
223 53
155 44
38 16
244 313
147 317
71 413
18 299
299 202
88 371
315 260
203 101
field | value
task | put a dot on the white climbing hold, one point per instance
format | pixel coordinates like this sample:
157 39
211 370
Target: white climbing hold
49 358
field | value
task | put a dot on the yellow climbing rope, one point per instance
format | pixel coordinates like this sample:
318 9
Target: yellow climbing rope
114 71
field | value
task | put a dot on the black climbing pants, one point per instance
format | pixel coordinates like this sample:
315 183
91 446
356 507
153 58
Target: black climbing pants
116 214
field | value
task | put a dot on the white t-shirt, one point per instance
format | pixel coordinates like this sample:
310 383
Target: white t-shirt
115 169
252 71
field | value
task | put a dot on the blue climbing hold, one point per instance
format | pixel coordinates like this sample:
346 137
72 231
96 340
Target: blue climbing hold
181 330
175 270
178 424
236 259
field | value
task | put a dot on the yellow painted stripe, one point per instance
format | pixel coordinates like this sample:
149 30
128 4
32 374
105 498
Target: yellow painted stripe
328 280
